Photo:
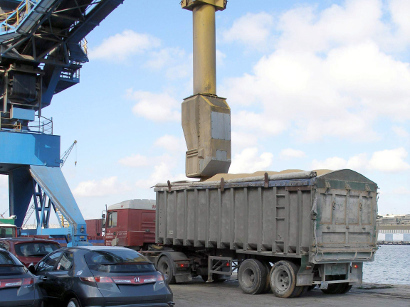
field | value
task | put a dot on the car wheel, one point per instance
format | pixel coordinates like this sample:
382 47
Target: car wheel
73 303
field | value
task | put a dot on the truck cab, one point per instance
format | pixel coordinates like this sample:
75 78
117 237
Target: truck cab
8 230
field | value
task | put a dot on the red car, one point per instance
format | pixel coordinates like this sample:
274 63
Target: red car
29 250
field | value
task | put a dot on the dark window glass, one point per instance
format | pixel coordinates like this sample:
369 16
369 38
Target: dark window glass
5 258
7 232
9 265
49 263
35 249
118 261
65 262
112 219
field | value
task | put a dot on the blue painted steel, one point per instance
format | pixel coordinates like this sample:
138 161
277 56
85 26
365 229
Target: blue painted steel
28 19
20 193
52 85
53 183
23 114
98 13
40 151
29 149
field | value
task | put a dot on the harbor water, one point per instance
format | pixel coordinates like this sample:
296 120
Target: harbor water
391 266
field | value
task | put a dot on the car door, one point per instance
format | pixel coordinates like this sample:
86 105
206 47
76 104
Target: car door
45 280
59 278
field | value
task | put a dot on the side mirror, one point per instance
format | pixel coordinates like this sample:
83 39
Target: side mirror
32 268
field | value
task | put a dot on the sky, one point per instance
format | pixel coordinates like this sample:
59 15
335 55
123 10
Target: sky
311 85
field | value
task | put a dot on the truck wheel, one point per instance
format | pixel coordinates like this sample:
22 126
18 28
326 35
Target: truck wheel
334 288
217 278
252 276
268 268
283 279
166 267
345 288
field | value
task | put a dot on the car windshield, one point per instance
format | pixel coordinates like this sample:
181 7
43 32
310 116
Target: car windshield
35 249
118 261
9 265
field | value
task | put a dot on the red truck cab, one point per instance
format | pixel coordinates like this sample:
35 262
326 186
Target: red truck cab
131 223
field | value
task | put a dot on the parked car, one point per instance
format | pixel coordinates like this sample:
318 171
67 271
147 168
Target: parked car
101 276
17 284
29 250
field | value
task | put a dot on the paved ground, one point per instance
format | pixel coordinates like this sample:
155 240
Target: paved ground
198 293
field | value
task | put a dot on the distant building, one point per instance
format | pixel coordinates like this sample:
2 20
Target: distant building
394 228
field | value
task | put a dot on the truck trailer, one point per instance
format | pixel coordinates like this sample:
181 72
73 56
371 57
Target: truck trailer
287 231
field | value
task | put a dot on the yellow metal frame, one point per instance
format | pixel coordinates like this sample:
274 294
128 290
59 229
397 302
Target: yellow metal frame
219 5
24 5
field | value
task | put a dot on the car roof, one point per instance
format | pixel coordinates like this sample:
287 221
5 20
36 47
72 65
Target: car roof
100 248
27 239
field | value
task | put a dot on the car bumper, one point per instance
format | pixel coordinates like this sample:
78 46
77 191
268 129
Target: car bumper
137 305
30 303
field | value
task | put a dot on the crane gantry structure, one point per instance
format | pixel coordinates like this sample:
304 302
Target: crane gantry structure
41 52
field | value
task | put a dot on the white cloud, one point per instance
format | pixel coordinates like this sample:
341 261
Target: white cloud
386 161
389 160
249 161
330 76
220 57
122 45
333 163
336 25
98 188
401 132
162 172
252 30
171 143
258 122
135 161
240 140
156 107
173 61
399 10
290 153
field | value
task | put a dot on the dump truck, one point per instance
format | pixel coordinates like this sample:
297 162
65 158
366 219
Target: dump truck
286 231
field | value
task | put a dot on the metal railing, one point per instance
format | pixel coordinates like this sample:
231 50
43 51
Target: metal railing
43 125
11 20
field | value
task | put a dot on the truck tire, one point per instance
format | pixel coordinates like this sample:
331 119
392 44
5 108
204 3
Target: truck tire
346 288
252 276
341 288
334 289
217 278
268 268
166 267
283 279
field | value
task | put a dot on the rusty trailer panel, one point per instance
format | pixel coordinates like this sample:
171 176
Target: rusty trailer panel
327 218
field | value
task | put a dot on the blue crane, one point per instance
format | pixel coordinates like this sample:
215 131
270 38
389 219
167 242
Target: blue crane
41 52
